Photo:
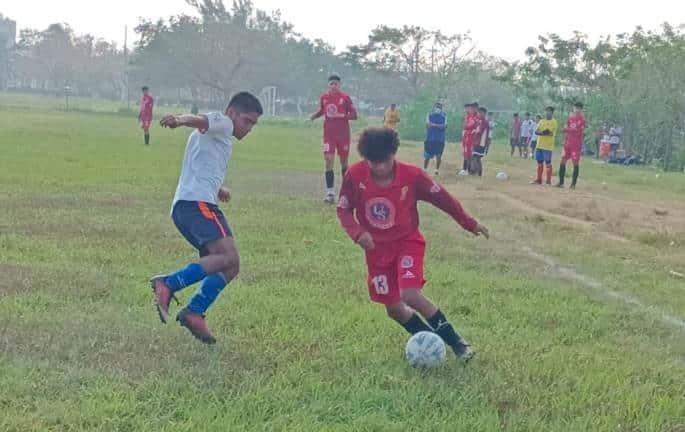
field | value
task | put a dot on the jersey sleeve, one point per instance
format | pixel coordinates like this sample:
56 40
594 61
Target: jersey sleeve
350 110
219 125
347 202
430 191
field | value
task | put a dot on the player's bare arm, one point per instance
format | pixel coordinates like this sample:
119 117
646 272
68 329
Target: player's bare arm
224 194
173 121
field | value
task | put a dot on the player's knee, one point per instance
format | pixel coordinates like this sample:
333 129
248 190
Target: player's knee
397 311
231 266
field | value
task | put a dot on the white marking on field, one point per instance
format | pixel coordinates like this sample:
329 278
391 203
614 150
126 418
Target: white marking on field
569 273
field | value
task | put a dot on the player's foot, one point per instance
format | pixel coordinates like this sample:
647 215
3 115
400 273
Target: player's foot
436 173
329 198
549 183
163 296
559 185
572 187
464 352
196 324
536 182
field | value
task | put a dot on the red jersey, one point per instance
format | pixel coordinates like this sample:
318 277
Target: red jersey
516 128
146 103
337 109
575 129
471 123
482 131
390 213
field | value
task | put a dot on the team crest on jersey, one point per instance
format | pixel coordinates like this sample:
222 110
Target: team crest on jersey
407 261
362 186
403 193
380 213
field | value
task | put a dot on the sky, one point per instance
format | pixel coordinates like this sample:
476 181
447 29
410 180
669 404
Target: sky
498 27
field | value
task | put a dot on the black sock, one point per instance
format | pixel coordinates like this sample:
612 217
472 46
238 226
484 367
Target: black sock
445 330
562 173
330 179
466 165
147 138
576 171
415 325
343 171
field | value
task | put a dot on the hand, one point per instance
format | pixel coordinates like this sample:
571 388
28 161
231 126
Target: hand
170 121
366 241
224 195
481 229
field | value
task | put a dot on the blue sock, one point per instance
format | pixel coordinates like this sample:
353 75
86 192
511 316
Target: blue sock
185 277
207 293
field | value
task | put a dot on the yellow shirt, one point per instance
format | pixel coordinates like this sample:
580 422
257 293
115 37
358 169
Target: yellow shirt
546 142
391 118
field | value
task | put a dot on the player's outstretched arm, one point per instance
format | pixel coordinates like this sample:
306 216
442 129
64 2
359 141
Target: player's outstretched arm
194 121
430 191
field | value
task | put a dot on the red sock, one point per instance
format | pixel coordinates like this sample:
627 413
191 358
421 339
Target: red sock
549 173
540 168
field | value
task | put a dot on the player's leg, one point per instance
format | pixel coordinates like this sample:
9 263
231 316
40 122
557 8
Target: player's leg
513 143
406 317
562 168
427 155
411 281
329 161
575 158
539 157
439 150
548 163
342 147
223 265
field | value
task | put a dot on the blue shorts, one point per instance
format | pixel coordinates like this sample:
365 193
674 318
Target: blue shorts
200 223
433 149
543 156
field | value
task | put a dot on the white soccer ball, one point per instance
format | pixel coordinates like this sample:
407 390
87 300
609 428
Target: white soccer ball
425 350
501 175
463 173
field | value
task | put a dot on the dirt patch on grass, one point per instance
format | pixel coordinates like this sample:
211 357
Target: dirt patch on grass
16 279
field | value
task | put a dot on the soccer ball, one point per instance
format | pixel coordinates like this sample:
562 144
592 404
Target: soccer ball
425 350
463 173
501 176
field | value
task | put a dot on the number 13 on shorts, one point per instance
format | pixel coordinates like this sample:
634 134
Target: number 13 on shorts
380 284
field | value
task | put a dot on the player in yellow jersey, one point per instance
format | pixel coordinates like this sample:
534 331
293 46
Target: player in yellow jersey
546 132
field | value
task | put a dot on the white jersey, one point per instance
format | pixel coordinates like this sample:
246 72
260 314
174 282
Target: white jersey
205 161
527 128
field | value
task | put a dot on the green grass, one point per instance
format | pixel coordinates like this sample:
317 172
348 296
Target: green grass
84 223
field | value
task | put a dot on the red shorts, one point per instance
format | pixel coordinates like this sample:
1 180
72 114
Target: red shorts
145 123
337 142
571 152
604 149
394 267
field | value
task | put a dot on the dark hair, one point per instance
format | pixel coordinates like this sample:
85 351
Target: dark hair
483 110
527 114
378 144
549 108
538 116
145 88
578 105
245 102
334 77
516 114
474 104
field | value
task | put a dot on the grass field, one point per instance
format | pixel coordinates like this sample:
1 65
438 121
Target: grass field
578 321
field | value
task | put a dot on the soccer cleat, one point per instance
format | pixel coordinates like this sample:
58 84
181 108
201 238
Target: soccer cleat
163 296
196 324
536 182
463 352
329 198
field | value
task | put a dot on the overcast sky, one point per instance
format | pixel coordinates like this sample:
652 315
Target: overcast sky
499 27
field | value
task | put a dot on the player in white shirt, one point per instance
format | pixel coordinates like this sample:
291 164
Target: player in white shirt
195 212
527 132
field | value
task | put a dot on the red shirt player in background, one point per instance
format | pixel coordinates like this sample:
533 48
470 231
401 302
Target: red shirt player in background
337 108
145 114
468 138
573 144
377 208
